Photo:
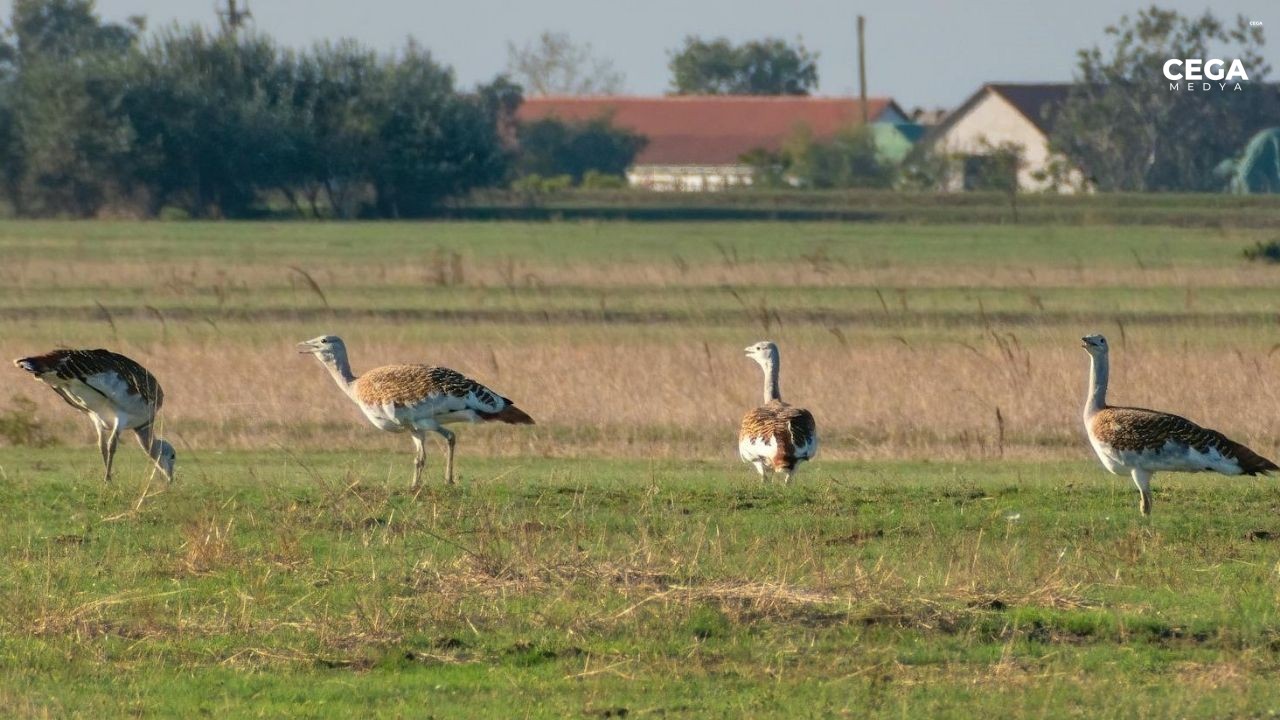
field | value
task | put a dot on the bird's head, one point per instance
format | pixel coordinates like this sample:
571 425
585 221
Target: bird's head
762 352
324 347
166 458
1095 344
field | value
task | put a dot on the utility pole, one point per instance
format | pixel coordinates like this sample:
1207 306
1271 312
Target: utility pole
862 66
232 17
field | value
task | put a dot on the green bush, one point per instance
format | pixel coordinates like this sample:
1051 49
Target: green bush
539 185
19 426
596 180
170 213
1268 251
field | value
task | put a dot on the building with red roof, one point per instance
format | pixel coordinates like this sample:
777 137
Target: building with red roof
696 142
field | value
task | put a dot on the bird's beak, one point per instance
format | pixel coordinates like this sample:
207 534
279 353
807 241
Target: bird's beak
1084 343
305 348
746 351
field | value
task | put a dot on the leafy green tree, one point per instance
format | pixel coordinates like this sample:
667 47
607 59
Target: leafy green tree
850 159
62 135
211 114
224 124
1129 131
336 121
431 142
758 67
551 147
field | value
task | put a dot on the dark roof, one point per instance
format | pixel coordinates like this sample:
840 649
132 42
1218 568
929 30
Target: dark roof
712 129
1038 102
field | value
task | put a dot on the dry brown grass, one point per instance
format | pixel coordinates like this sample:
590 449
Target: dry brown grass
889 399
947 387
165 279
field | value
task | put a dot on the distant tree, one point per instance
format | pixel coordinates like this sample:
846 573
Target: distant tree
554 65
212 118
551 147
431 142
225 124
850 159
1128 131
336 119
769 169
62 135
759 67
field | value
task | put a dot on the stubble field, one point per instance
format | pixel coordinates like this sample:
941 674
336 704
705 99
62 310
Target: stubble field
955 548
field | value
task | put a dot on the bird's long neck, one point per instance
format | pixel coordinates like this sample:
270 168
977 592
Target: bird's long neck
1099 368
149 441
339 369
771 390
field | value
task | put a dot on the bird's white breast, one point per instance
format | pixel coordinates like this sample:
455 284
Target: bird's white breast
107 396
1110 458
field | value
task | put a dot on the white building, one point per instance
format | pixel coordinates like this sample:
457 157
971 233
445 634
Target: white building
696 142
1009 115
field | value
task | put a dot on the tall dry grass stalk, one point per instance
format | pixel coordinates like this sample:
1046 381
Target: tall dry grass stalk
191 277
684 399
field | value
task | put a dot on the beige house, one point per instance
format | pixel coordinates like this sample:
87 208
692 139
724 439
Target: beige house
1006 115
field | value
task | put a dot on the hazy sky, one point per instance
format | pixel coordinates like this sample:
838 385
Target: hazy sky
921 53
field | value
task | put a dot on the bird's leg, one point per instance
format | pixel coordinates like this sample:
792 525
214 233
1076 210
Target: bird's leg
764 479
786 477
420 459
101 427
449 440
109 451
1142 478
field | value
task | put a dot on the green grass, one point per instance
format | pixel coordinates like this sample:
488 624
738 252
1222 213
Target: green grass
865 205
867 245
558 580
317 585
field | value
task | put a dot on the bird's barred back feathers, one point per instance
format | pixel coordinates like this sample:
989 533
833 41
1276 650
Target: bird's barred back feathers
792 430
83 364
1142 430
405 385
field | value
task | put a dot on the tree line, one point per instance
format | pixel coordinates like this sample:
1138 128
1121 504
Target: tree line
96 116
102 117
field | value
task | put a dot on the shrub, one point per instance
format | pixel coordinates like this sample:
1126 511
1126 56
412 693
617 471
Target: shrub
596 180
1268 251
539 185
19 426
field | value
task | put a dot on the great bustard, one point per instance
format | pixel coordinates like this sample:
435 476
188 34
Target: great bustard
416 399
1140 442
116 393
775 437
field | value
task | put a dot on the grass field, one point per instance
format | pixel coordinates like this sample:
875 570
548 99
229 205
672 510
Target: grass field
954 550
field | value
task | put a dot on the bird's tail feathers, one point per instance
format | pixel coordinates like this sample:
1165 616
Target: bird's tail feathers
1251 463
511 415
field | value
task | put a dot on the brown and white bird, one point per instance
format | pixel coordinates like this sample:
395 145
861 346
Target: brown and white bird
416 399
775 437
116 393
1140 442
